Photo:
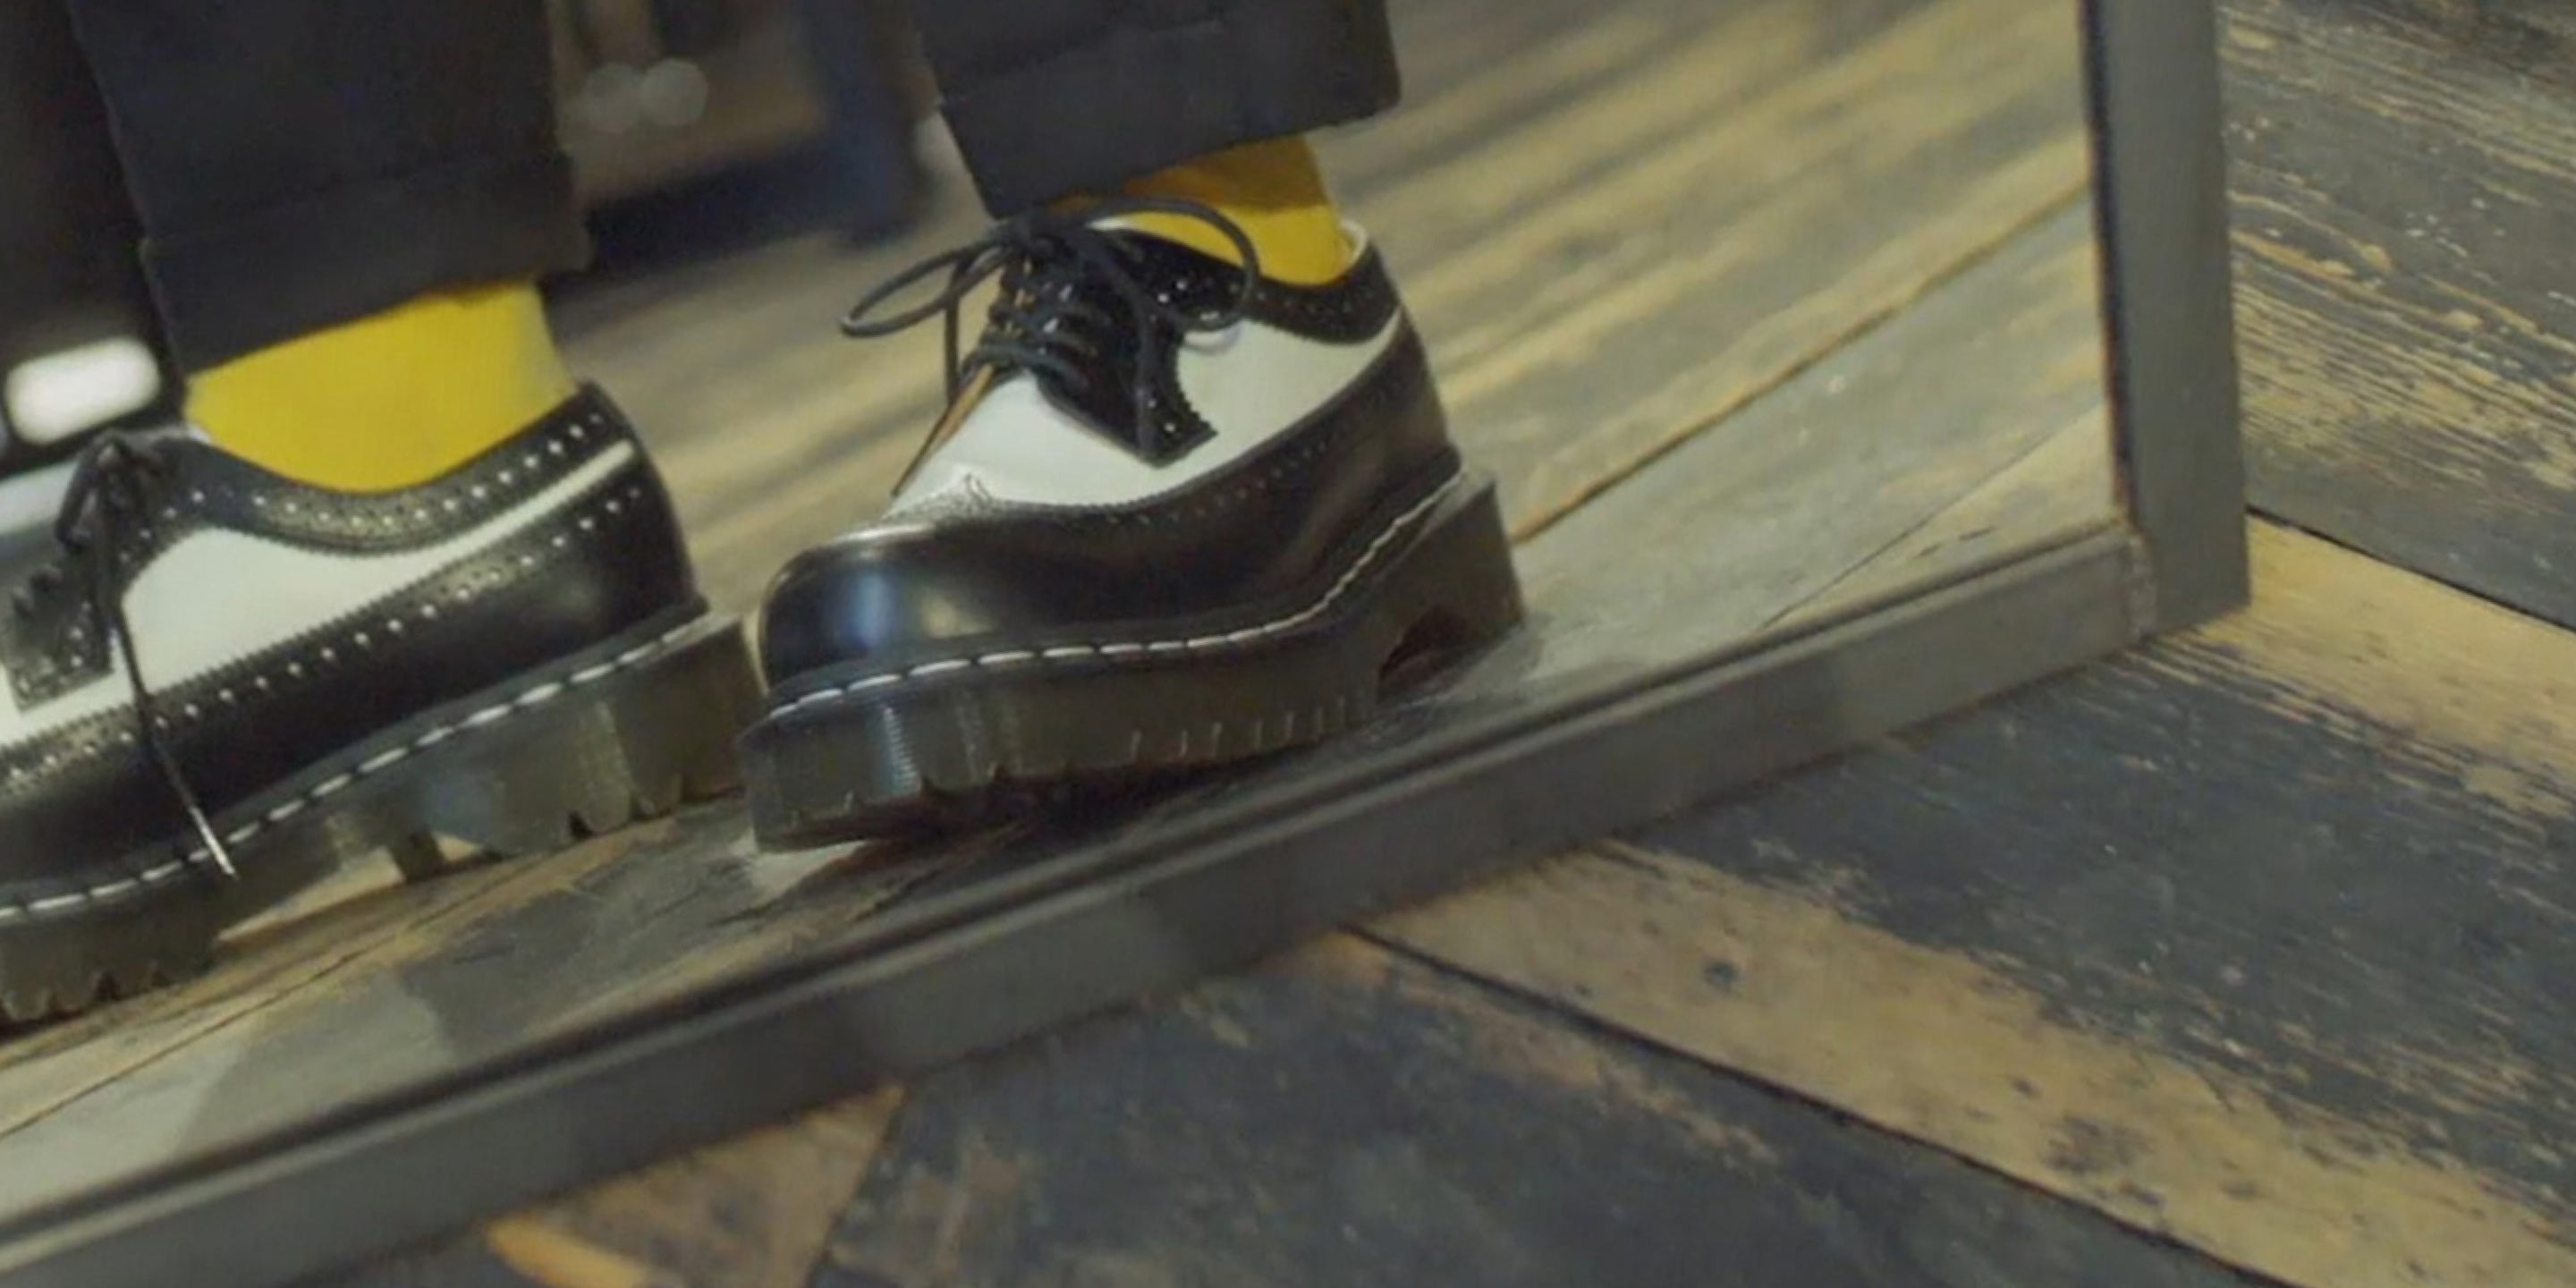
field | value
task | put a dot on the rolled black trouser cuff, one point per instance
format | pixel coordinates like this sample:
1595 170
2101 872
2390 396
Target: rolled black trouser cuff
1090 117
361 249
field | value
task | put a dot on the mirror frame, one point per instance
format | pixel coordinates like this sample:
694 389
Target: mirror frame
1153 908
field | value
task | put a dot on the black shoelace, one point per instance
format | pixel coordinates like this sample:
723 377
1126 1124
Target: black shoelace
107 505
1042 320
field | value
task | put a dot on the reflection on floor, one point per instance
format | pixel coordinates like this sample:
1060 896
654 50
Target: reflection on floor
1756 309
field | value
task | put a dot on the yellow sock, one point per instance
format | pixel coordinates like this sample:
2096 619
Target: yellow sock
392 400
1275 191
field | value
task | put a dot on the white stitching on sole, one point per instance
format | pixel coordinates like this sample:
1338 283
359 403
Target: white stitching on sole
368 768
1359 567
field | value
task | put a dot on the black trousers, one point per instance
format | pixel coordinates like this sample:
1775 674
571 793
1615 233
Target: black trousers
300 163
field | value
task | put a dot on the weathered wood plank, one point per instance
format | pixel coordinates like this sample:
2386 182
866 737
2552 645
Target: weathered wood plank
2407 295
757 1212
480 965
2063 488
1350 1118
264 979
1763 512
2253 939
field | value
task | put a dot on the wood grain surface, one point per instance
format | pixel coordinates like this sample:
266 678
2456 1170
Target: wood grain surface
2253 940
2404 172
1351 1117
2054 493
1870 470
752 1213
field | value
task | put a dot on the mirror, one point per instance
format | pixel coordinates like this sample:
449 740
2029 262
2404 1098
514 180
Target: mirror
1769 318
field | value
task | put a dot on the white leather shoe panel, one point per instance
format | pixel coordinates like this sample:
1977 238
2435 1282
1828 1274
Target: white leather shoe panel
192 613
1250 382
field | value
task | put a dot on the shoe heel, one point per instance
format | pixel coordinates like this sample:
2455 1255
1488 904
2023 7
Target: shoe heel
630 747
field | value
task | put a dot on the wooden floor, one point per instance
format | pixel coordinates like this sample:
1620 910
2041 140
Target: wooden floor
1797 294
2240 960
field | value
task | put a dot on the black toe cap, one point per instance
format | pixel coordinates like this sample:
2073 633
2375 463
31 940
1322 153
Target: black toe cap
899 595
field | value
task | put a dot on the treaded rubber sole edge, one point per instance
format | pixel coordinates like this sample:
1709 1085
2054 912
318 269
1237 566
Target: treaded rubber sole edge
594 757
965 747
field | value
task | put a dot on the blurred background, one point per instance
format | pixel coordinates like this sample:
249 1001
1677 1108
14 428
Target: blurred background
696 126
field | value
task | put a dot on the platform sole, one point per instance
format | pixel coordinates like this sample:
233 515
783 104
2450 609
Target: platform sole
621 733
969 742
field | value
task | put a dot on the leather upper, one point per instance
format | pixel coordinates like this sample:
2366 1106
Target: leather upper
1228 547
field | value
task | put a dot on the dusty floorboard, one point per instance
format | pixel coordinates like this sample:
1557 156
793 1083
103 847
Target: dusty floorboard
2407 293
1611 159
1903 458
1349 1117
2252 939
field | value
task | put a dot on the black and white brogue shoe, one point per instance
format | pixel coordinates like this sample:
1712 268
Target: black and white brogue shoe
1178 515
224 684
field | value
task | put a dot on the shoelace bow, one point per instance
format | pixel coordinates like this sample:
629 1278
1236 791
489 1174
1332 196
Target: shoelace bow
1040 318
113 486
